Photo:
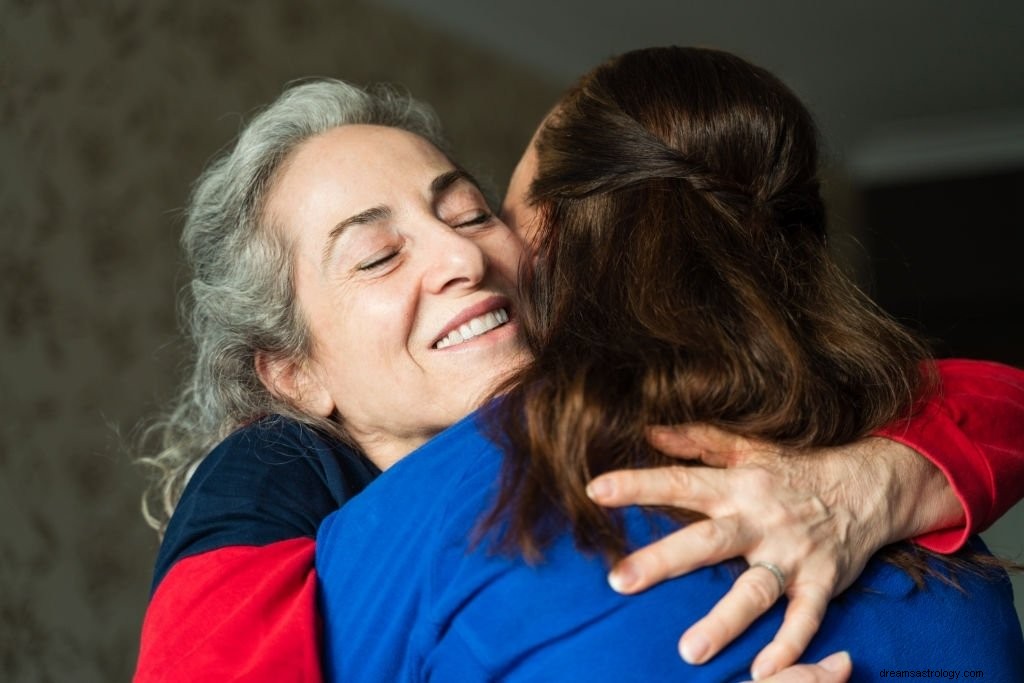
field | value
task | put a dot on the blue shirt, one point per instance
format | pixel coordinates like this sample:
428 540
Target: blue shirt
406 595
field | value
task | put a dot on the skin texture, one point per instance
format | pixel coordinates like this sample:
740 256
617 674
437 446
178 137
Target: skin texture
820 541
389 257
516 210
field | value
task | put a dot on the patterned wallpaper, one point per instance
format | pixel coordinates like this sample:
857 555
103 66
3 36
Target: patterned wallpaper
108 110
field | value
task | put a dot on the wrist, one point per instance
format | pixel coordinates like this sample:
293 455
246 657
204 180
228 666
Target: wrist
871 495
921 499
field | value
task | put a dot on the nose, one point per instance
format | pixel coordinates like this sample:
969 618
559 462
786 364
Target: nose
453 261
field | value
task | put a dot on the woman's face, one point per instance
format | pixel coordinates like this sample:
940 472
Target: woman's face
518 213
404 278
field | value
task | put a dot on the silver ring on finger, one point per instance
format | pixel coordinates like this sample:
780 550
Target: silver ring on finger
779 575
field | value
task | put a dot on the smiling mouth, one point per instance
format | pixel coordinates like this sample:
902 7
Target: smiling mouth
474 328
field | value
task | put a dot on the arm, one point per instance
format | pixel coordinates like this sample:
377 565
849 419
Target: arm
235 589
820 518
974 435
245 612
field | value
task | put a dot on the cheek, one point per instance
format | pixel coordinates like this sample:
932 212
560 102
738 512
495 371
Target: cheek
355 332
524 220
530 225
505 253
377 321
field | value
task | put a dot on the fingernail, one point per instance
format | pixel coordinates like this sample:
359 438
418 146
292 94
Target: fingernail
599 488
836 662
657 432
762 669
693 648
623 577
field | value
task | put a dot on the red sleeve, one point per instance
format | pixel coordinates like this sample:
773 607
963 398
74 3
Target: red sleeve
237 613
973 430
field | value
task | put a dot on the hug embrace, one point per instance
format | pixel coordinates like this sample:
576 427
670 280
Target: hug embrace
416 430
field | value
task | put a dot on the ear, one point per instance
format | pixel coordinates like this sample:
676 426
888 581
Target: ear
294 382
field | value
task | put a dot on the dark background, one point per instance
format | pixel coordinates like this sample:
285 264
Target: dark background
946 257
108 110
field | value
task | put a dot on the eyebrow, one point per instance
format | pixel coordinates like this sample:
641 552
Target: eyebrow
446 180
375 214
371 215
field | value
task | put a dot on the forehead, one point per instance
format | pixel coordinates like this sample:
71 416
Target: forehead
361 152
349 169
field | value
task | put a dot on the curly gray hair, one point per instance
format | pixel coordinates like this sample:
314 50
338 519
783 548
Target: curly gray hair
240 300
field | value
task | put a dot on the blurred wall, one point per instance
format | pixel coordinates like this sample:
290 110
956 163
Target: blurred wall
108 110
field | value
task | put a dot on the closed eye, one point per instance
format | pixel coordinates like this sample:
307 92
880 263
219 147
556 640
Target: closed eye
480 218
377 261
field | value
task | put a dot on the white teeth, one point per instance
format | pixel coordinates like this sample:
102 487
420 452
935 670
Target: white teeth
474 328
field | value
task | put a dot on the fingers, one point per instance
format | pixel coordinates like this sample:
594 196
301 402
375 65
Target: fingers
696 441
689 487
675 441
836 668
753 594
802 620
782 509
697 545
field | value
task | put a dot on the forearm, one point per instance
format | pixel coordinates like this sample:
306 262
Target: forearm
819 516
918 497
972 435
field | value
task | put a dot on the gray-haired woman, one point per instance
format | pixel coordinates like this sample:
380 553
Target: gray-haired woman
278 382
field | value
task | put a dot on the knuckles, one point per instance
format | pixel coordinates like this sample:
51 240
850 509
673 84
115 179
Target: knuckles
759 593
711 536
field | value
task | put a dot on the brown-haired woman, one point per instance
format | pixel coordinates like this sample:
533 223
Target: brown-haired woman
681 275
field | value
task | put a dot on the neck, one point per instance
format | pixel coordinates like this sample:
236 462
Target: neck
385 450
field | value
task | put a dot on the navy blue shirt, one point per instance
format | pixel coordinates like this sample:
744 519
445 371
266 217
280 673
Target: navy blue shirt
272 480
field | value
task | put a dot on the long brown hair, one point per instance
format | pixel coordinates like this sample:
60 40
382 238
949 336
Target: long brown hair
682 274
